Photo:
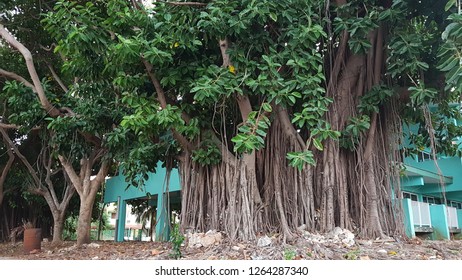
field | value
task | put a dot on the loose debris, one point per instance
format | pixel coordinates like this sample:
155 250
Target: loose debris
339 244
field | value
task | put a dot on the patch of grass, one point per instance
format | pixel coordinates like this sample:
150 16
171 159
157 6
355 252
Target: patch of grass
289 254
352 255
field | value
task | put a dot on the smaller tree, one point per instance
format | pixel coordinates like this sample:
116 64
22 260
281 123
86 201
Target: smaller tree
46 174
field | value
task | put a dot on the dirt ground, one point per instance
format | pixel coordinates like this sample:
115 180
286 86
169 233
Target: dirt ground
301 248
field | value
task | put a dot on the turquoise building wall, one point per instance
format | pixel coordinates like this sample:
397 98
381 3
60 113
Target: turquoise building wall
440 179
154 189
439 222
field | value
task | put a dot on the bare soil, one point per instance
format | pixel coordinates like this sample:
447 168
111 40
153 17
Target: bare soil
415 249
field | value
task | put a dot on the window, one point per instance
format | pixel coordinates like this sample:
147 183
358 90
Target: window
410 196
423 156
455 204
431 200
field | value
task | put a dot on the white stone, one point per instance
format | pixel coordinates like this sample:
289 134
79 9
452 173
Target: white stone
382 251
93 245
236 248
365 242
348 234
348 242
197 240
337 231
207 240
264 241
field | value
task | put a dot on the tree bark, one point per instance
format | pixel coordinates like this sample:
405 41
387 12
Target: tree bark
84 222
58 226
87 189
4 174
50 109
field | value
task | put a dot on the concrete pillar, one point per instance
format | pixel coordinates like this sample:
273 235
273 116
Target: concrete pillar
459 217
121 214
439 220
408 218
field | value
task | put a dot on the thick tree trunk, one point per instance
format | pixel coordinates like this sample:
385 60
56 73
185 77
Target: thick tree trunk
84 221
58 226
373 229
86 189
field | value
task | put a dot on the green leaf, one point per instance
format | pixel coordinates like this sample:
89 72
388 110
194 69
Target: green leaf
273 16
449 5
266 107
317 144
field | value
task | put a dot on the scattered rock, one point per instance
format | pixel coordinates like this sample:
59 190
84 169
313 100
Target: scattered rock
364 258
367 243
382 251
334 233
95 258
92 245
264 241
256 257
338 235
71 248
35 251
236 248
200 239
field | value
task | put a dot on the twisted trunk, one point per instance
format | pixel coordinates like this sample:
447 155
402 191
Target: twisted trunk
87 189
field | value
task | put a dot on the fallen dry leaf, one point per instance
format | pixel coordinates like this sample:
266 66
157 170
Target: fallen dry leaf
156 252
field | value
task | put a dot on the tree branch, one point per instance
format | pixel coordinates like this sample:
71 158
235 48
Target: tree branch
193 4
29 167
160 92
51 110
47 164
288 127
14 126
68 193
163 103
91 138
5 171
224 54
17 77
56 77
75 180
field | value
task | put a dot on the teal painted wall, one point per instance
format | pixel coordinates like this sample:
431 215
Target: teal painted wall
411 182
408 218
451 166
439 222
116 186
